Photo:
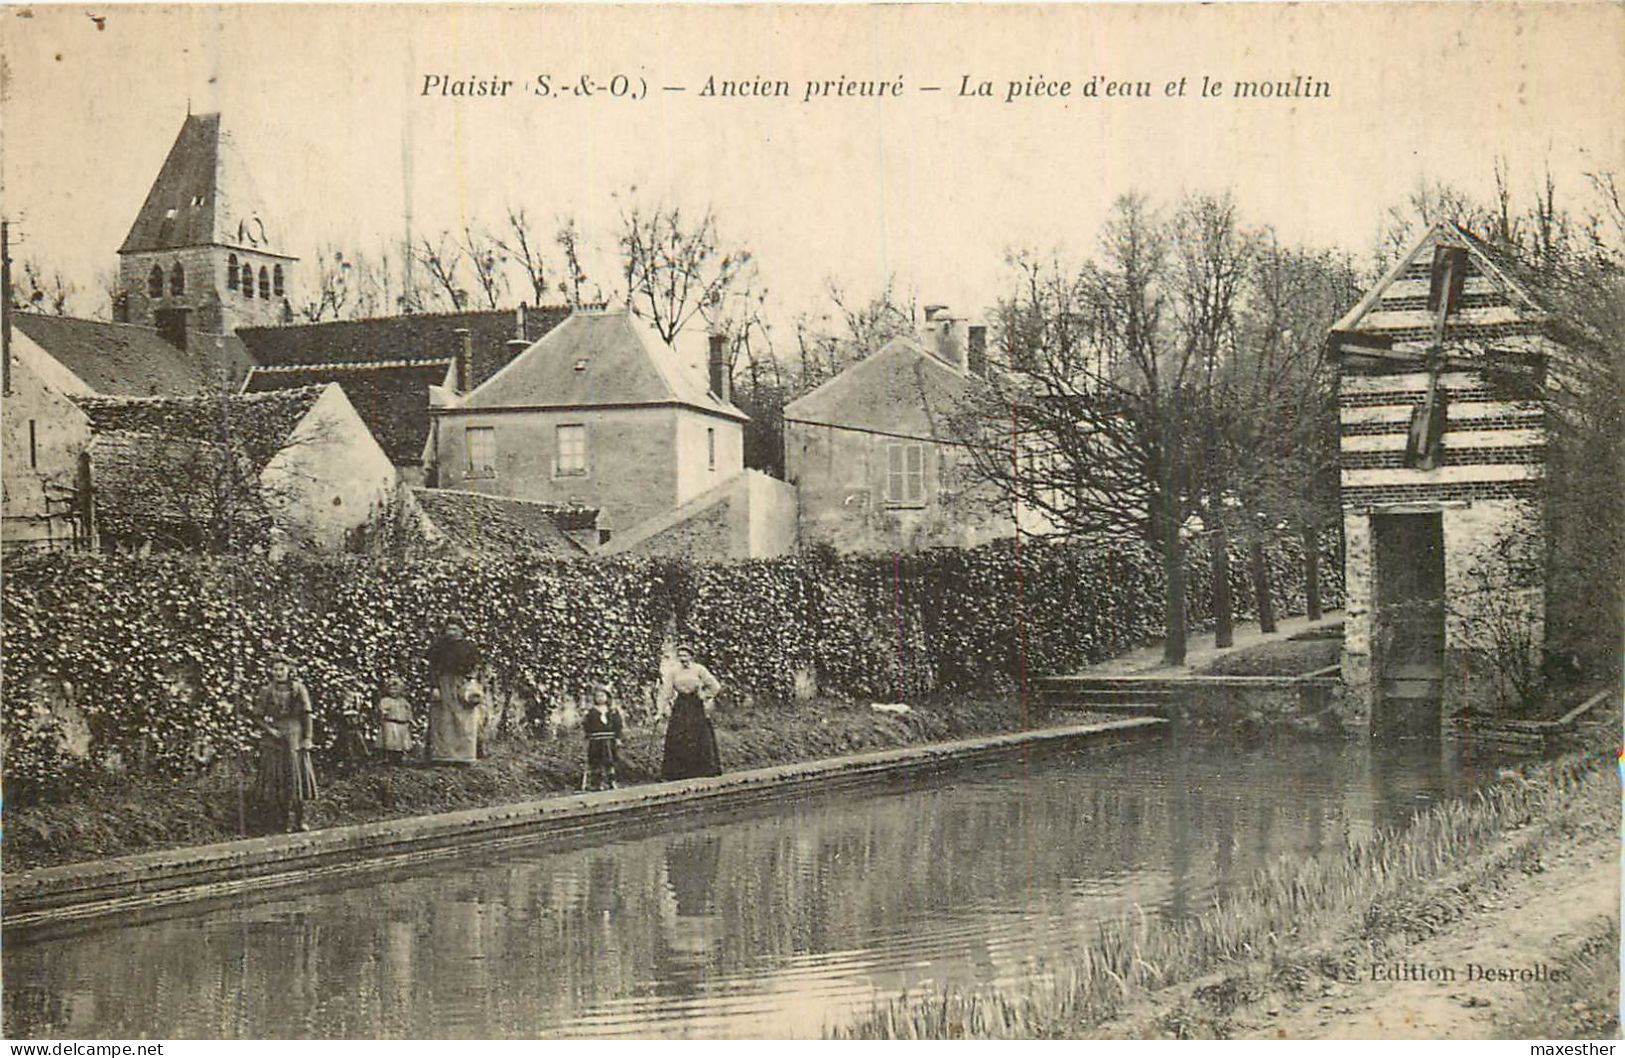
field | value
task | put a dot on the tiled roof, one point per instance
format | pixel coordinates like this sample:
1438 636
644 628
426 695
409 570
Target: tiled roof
256 424
594 359
392 398
423 336
902 389
122 360
498 525
203 196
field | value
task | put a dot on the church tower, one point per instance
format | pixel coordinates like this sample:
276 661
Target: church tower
202 255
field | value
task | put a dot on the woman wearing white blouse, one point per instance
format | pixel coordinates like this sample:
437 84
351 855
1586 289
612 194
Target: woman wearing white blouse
691 741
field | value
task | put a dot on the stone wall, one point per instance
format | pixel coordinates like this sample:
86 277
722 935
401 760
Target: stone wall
841 475
1491 595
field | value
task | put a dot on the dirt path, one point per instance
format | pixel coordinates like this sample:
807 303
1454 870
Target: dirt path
1535 919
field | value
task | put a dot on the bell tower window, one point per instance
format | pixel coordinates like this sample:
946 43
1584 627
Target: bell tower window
248 280
155 282
265 284
276 280
231 272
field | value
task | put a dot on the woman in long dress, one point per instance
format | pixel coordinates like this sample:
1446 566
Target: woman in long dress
456 713
285 780
691 741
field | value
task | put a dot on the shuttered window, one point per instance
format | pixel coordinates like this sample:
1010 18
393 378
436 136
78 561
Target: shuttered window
905 475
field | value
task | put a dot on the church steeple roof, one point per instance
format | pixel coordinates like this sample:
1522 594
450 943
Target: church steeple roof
203 196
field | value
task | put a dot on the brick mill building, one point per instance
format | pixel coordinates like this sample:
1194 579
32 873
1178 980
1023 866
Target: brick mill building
1444 369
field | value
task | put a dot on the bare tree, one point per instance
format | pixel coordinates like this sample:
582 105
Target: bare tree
523 246
440 261
829 342
44 290
1087 421
674 264
327 288
483 252
568 239
1209 261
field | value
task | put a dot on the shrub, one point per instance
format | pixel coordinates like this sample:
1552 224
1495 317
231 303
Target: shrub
157 653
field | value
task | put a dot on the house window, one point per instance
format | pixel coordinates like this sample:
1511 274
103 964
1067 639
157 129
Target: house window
482 451
905 475
265 284
155 282
710 449
231 272
276 280
572 451
177 280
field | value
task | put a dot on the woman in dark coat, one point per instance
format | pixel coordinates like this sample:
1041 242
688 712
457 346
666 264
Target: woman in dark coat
456 713
286 780
691 741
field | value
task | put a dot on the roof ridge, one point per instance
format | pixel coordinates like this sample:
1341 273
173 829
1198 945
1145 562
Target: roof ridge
311 324
155 398
436 490
349 365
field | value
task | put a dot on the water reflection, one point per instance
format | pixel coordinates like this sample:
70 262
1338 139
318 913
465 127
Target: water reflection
769 924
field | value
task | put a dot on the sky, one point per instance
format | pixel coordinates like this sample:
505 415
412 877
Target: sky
933 188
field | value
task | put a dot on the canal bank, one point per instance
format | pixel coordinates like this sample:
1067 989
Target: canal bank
771 920
58 896
1282 954
146 811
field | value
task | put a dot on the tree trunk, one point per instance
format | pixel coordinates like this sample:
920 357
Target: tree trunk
1173 565
1261 587
1224 609
1311 571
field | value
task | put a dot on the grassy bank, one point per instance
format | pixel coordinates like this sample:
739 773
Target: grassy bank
1300 923
140 814
1288 657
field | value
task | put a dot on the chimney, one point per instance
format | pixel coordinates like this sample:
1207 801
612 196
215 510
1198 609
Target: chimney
721 383
171 326
519 323
945 336
465 359
976 350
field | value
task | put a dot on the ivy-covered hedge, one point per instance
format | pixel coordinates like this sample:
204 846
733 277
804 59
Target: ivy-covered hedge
156 653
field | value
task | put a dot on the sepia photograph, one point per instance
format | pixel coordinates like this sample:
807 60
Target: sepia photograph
821 522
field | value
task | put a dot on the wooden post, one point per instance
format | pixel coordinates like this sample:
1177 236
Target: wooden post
5 307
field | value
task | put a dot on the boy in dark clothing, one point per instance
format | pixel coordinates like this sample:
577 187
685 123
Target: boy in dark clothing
602 726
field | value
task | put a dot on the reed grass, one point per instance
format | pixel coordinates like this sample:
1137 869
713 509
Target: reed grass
1284 904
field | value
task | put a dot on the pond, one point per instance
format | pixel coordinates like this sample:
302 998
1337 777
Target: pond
773 922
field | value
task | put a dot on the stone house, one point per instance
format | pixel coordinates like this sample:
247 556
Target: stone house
602 413
295 469
874 457
44 439
1444 368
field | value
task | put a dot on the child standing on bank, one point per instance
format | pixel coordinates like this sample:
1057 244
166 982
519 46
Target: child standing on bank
394 721
602 726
